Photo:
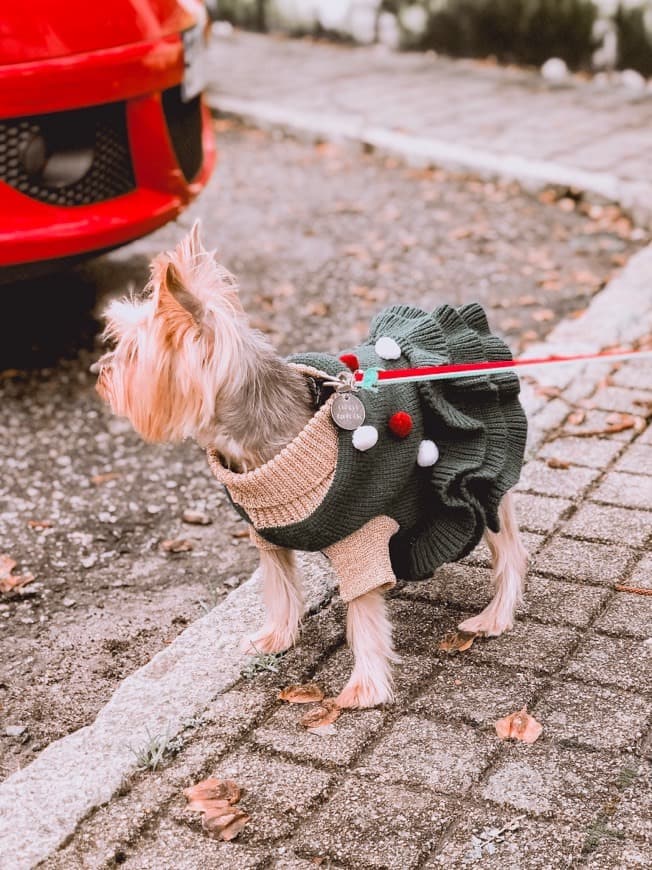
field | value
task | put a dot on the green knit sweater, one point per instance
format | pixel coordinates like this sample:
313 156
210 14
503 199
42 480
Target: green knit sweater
477 424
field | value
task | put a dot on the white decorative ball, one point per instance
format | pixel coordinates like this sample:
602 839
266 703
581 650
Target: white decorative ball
428 453
364 437
386 348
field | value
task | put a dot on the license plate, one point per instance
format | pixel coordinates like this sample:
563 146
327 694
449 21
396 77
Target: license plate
194 62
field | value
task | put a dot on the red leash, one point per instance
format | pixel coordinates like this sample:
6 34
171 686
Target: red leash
370 378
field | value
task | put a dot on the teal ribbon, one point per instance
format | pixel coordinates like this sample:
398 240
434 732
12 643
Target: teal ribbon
370 380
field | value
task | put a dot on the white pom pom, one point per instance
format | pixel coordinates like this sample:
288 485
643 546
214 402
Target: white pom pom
386 348
428 453
364 437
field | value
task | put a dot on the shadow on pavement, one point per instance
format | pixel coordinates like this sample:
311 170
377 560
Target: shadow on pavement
54 316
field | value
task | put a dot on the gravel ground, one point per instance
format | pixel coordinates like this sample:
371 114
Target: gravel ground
321 237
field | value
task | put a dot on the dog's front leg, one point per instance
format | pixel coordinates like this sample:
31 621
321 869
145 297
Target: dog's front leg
369 635
283 597
363 566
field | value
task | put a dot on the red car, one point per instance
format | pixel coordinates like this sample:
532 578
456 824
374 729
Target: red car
103 134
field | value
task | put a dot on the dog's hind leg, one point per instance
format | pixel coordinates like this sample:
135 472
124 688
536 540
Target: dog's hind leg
509 562
283 597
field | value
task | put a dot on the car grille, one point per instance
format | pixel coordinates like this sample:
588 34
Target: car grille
185 126
96 138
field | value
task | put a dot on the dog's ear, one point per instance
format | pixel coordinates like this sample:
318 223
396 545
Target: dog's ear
195 241
180 307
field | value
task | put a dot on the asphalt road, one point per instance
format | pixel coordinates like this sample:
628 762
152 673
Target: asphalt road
321 238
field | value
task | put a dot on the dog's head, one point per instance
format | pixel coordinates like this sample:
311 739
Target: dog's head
176 348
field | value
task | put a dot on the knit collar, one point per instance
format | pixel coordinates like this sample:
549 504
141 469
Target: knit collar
289 486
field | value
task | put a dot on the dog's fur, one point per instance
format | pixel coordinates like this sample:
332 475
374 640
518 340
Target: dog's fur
187 364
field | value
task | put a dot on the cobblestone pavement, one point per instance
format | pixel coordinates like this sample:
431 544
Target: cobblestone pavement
586 127
425 782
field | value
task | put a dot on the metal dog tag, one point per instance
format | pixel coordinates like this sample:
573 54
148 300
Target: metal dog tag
347 411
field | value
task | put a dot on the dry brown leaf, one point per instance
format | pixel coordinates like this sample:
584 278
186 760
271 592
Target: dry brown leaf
582 276
196 518
553 462
217 799
241 533
543 315
7 565
576 418
323 730
8 581
633 590
307 694
527 300
99 479
324 714
179 545
457 641
39 524
549 392
214 789
231 831
318 309
510 323
519 726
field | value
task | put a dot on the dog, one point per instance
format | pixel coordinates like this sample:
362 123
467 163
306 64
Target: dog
186 363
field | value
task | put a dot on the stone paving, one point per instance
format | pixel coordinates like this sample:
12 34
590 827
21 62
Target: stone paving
426 783
594 135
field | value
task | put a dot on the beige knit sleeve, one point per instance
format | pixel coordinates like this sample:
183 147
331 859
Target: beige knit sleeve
361 560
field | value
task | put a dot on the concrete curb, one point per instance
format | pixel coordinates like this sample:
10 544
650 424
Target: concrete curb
41 805
426 151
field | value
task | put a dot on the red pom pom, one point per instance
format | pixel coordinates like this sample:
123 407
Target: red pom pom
400 424
350 360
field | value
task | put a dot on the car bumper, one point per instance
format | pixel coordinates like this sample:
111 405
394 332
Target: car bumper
143 81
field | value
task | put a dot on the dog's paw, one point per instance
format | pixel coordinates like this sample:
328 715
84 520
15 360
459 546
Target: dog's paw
488 623
357 694
267 642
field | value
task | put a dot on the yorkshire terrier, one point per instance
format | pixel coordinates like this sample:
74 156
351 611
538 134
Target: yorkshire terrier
187 364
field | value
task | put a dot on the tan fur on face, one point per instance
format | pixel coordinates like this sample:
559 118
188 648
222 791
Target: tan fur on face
178 349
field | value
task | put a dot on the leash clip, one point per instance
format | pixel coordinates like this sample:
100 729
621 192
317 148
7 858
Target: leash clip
344 382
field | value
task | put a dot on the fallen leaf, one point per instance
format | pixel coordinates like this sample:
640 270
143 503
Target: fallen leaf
324 714
457 641
543 315
179 545
8 581
633 590
576 418
217 799
214 789
527 300
318 309
196 518
549 392
241 533
553 462
7 565
39 524
585 277
99 479
616 422
301 694
519 726
324 730
234 827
